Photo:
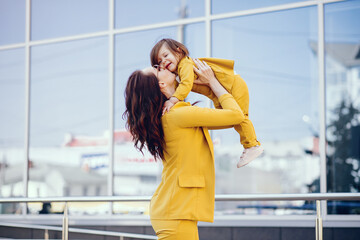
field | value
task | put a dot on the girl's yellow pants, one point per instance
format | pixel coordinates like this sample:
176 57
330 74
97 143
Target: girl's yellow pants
240 93
175 229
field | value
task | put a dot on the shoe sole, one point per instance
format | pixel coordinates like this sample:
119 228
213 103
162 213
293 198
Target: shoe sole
250 160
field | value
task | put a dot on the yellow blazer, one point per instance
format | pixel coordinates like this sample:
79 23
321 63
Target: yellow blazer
223 69
187 188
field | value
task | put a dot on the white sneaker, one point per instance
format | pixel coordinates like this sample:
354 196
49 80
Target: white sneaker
250 154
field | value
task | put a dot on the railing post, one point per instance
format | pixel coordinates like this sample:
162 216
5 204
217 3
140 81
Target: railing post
46 235
65 229
121 237
319 226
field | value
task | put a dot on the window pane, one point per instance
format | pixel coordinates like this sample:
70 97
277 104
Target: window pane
147 12
59 18
273 55
134 174
223 6
342 51
12 122
69 120
12 21
196 46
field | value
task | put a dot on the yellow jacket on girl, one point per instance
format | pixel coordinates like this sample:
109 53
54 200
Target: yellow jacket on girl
233 83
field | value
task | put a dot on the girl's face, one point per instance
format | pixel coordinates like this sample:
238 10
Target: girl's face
167 59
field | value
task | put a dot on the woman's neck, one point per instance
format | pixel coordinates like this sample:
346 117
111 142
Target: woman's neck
169 91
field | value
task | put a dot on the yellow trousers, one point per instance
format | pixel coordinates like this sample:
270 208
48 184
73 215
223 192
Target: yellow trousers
241 94
175 229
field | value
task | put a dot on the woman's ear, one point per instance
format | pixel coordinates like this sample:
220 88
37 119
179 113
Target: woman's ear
162 84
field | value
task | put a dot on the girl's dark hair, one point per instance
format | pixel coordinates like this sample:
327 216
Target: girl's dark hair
144 103
174 46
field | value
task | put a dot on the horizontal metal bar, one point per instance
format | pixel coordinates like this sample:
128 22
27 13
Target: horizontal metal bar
171 23
80 230
288 197
268 9
221 197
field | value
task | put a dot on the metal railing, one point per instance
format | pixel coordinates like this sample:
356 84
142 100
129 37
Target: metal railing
228 197
46 229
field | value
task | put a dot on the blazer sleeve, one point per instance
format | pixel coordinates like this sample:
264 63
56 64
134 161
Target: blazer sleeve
193 116
187 76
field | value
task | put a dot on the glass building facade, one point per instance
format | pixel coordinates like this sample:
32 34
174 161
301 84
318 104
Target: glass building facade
63 69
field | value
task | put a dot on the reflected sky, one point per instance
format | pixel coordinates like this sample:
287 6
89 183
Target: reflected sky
12 21
52 19
157 11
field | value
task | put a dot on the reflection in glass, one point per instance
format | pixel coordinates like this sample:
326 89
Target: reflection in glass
342 49
223 6
69 119
134 173
148 12
12 123
12 21
273 55
59 18
196 46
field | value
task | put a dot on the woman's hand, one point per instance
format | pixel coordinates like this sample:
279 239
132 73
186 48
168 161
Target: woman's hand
207 77
204 72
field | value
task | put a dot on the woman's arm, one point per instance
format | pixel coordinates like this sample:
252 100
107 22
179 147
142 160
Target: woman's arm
192 116
207 77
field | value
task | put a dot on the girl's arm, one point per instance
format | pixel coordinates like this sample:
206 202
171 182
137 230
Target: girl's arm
187 76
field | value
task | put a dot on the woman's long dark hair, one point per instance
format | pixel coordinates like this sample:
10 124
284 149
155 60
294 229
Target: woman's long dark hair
144 103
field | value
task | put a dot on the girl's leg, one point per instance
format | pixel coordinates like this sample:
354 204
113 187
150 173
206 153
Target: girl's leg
175 229
252 148
246 129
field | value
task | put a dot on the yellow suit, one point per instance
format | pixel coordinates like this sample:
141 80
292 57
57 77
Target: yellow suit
187 188
234 84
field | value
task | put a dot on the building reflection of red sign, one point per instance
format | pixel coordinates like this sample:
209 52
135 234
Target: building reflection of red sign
140 160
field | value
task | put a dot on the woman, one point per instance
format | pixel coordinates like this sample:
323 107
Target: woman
181 139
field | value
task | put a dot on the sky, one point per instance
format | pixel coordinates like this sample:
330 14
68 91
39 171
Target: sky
69 81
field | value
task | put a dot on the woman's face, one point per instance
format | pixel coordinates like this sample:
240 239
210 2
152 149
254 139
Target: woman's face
165 77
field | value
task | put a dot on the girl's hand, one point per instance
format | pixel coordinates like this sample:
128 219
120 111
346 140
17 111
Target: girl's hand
169 104
204 72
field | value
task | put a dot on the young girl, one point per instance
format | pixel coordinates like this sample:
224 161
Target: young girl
173 56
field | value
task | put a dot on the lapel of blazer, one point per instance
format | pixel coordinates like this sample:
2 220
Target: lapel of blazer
209 141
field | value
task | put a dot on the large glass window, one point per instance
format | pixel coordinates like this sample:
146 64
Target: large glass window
12 21
59 18
12 123
342 58
272 54
69 119
147 12
275 53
